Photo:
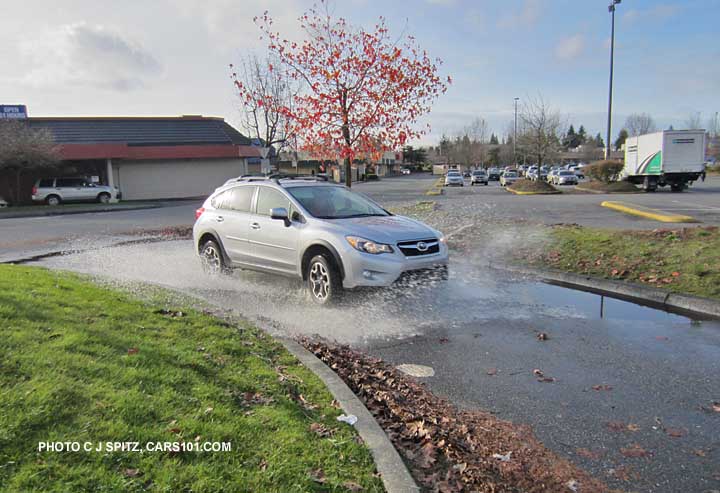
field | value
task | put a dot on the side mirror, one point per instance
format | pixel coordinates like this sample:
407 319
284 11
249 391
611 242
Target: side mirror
280 213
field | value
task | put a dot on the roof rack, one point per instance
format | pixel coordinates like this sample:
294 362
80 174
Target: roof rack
282 176
276 177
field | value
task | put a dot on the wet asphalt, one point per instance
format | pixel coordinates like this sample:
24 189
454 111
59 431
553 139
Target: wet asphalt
622 378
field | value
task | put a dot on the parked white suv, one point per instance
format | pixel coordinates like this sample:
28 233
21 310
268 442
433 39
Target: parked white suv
54 191
324 233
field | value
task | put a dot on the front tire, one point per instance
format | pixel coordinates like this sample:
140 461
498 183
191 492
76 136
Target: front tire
211 258
104 198
323 280
53 200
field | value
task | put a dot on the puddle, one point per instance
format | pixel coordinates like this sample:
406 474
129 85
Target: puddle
473 294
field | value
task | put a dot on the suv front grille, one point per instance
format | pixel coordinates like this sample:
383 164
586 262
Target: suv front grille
418 248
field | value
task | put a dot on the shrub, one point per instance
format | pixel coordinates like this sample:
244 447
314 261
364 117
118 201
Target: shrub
605 171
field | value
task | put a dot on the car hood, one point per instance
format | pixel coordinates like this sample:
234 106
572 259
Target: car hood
385 229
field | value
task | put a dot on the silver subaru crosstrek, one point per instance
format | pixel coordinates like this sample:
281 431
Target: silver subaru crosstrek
321 232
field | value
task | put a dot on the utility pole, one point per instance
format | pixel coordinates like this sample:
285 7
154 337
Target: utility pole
515 136
611 9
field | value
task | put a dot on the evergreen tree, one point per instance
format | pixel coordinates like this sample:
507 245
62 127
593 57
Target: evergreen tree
622 137
568 141
599 142
494 139
581 136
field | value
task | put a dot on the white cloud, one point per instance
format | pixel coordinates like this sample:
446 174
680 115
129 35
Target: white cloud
527 16
88 55
570 48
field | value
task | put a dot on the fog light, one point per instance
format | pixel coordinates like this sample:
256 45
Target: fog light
367 274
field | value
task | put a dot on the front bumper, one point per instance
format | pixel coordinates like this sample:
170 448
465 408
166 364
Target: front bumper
364 269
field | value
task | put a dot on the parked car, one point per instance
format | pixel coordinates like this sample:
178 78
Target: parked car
405 171
54 191
508 178
564 177
321 232
479 176
454 178
551 175
493 174
3 203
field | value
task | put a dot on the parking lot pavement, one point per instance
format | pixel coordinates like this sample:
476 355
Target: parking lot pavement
701 201
24 237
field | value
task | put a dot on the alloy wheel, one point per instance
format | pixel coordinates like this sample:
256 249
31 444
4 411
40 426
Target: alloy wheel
319 281
211 259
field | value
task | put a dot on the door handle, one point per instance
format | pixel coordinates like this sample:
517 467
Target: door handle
219 219
255 226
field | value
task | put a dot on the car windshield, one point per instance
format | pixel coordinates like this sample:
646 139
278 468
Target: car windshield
510 174
453 173
478 173
331 202
566 173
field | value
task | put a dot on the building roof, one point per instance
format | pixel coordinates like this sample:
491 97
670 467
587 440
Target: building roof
141 131
182 137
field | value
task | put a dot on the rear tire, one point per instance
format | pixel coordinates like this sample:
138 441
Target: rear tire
53 200
211 258
104 198
677 187
323 280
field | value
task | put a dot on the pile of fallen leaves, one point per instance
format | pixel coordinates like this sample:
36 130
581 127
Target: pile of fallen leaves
449 450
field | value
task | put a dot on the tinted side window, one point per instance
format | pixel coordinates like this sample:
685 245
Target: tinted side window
240 198
46 183
218 201
69 182
271 199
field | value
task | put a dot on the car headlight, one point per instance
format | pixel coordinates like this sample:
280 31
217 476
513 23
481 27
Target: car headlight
368 246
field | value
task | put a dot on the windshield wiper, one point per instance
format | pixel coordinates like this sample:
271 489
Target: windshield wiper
360 215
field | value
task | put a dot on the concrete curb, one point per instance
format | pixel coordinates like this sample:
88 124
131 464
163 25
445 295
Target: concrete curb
395 474
683 304
72 212
646 212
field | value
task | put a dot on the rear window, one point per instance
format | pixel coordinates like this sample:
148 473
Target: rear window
46 183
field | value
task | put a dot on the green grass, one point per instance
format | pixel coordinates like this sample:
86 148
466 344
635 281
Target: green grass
684 260
69 371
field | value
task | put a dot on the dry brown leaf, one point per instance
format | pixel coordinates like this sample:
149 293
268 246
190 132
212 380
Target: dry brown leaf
675 432
318 475
133 350
132 473
635 450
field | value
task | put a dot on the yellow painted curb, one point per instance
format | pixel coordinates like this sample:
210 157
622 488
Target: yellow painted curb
657 215
517 192
437 185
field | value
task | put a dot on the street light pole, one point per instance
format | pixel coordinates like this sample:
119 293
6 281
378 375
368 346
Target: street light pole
515 136
611 9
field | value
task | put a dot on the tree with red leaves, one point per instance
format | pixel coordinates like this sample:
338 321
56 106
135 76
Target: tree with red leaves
363 91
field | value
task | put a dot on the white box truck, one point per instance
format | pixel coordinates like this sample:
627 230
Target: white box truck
670 157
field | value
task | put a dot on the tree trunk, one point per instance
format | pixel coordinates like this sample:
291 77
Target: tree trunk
348 172
348 161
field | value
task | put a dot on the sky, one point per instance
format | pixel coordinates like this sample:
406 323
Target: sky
170 57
